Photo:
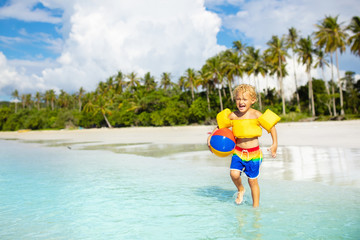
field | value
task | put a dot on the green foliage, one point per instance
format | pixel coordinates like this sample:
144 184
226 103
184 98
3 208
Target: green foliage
5 113
175 113
157 119
66 119
294 117
198 110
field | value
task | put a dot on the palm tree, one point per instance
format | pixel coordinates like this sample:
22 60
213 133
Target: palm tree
353 99
276 54
102 88
15 95
213 67
38 100
64 99
204 81
182 83
165 80
119 82
354 40
134 81
235 65
292 39
332 35
102 105
80 94
149 82
236 60
239 47
321 62
255 65
306 51
190 81
232 67
52 98
110 83
28 101
23 100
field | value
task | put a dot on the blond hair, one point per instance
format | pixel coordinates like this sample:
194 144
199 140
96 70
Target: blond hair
243 88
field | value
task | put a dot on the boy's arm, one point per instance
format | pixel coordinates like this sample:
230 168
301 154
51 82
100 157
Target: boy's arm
273 147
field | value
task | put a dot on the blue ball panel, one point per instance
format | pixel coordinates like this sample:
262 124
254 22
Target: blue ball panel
221 143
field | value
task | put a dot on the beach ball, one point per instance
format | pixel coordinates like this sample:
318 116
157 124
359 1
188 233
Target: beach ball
222 142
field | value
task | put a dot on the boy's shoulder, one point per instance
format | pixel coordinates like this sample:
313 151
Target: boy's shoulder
256 112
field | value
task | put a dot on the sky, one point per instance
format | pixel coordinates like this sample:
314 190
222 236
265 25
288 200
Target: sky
68 44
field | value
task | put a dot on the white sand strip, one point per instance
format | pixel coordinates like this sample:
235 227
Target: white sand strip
331 134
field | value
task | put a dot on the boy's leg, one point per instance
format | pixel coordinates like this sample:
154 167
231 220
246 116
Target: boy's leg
255 191
236 178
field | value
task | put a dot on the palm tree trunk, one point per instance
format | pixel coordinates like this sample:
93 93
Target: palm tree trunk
220 98
311 94
80 105
207 96
230 90
327 90
332 87
282 88
296 85
340 88
267 84
192 91
258 90
106 120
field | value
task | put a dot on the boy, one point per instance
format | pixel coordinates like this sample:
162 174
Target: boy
245 123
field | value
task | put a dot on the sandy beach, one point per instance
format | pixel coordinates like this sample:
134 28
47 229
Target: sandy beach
328 134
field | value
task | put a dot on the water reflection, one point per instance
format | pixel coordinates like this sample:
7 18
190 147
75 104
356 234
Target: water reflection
335 166
148 149
249 223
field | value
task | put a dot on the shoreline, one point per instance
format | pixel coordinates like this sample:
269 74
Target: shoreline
325 134
328 134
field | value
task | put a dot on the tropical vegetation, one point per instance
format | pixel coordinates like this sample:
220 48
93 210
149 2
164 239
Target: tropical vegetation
127 99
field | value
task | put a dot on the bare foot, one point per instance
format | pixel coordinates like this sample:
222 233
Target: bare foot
240 197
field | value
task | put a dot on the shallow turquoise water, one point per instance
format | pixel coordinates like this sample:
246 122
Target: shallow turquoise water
58 193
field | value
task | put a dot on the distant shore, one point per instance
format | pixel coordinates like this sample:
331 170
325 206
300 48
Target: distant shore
329 134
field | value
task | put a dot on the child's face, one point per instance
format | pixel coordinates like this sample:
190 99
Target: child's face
244 101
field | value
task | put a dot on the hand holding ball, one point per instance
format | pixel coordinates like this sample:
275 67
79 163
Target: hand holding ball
222 142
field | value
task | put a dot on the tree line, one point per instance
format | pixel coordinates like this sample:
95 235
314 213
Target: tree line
196 97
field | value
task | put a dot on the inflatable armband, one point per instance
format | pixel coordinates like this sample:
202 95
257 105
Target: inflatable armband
268 120
222 118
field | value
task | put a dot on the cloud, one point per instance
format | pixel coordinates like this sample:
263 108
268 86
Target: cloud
26 10
260 19
101 38
12 78
157 36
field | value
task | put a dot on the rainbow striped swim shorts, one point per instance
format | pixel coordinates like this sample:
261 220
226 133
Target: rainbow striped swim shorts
247 160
